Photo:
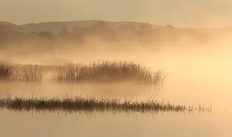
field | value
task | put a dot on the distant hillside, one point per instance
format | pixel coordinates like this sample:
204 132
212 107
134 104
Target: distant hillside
10 25
55 27
7 23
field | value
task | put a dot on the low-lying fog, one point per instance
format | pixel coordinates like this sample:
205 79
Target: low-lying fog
197 74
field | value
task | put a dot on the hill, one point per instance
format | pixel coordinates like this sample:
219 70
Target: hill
55 27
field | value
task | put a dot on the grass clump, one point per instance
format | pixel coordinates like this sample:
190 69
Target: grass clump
5 70
28 73
76 104
108 71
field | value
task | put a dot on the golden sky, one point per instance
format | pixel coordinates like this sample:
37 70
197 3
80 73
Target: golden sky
182 13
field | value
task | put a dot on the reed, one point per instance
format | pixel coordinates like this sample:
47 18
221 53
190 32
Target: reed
108 71
5 70
28 73
77 104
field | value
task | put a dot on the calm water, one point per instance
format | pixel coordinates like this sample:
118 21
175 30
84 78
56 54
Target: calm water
194 79
115 125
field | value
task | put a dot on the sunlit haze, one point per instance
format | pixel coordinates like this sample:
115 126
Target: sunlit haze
115 68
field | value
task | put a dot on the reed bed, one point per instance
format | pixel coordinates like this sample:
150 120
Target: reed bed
77 104
28 73
21 72
108 71
5 70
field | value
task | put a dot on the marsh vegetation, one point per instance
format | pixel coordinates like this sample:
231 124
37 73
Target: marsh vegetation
109 71
78 103
102 71
21 72
5 70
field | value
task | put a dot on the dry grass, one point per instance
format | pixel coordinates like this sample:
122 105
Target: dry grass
104 72
28 73
108 71
5 70
77 104
21 72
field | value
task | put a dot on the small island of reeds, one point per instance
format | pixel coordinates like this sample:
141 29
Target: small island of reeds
98 72
78 103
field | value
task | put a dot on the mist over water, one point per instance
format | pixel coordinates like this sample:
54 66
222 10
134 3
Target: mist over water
189 40
198 73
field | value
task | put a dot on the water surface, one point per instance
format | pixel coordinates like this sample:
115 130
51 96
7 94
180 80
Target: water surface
202 76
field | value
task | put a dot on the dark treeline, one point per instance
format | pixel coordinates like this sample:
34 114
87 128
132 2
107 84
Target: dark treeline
78 36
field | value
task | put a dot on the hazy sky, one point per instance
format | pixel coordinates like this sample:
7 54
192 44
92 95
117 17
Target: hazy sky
185 13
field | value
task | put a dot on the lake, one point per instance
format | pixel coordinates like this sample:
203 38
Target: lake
199 77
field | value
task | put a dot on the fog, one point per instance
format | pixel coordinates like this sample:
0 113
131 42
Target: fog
196 73
198 68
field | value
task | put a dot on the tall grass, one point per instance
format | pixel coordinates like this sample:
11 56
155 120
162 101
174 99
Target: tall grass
28 73
102 71
21 72
108 71
75 104
5 70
